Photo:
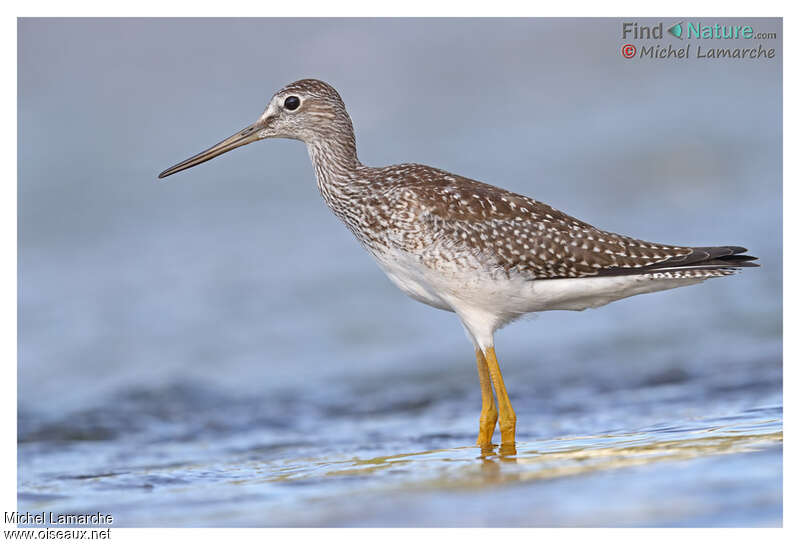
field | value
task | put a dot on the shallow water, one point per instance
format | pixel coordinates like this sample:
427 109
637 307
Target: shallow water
217 350
710 472
188 456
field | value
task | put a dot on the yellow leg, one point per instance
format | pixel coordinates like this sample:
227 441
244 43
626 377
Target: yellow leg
488 410
508 420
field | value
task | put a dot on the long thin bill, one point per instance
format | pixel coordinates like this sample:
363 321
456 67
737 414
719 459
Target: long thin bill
245 136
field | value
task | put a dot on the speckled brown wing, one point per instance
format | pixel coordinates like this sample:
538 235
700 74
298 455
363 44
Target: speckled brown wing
522 236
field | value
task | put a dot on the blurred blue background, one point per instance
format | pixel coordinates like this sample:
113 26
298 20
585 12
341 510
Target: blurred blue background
202 307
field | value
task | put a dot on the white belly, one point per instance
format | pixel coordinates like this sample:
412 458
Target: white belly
487 301
413 279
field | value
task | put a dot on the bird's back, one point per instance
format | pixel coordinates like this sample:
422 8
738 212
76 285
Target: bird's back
444 218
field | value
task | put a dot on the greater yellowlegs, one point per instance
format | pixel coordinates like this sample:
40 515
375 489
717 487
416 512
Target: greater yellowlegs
485 253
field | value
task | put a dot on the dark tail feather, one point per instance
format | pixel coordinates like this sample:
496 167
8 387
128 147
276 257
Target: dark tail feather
733 261
709 257
706 258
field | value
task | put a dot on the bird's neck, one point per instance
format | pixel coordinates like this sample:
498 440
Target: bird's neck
333 158
333 148
341 177
336 163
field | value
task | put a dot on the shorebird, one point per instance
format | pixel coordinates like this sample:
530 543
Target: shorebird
484 253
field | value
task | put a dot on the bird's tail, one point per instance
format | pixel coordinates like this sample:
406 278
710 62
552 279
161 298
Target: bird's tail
710 258
706 261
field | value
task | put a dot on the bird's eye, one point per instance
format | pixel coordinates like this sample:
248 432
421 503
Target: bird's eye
291 103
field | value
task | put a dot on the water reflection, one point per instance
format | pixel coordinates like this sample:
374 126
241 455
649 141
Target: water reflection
505 451
736 463
539 460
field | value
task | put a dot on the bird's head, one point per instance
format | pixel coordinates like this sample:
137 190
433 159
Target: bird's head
307 110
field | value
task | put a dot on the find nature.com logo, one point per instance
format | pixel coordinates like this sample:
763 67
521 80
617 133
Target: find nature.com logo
694 30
